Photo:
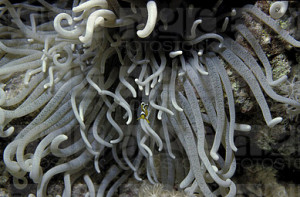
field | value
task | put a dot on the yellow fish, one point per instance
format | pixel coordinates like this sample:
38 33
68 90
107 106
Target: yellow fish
144 108
144 112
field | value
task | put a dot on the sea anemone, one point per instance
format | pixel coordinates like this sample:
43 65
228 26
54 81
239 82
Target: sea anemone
86 70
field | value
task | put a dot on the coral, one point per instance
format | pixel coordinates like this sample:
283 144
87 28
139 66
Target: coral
4 192
130 188
261 181
157 190
268 138
79 190
280 66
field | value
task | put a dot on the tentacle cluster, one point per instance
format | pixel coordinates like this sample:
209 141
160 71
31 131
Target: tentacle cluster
85 80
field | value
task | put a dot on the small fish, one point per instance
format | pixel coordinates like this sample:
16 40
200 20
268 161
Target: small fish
143 116
144 108
144 112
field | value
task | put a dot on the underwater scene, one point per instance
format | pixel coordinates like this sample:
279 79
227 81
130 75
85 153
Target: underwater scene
149 98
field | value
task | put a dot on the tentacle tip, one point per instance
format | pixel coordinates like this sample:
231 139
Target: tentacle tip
64 137
7 132
214 155
243 127
278 81
31 195
99 21
141 34
234 149
181 186
181 74
70 21
228 181
233 12
283 78
247 128
115 141
278 9
117 101
136 176
274 122
11 129
82 39
215 168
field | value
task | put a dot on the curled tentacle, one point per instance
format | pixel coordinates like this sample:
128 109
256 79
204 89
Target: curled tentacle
73 34
97 18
